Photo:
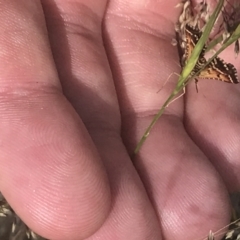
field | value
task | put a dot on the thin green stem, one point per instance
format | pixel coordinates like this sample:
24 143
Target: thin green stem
187 70
229 41
156 117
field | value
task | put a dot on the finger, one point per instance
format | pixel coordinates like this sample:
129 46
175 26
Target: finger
78 50
175 172
75 30
50 171
212 121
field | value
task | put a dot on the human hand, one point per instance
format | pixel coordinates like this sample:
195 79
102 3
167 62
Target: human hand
70 121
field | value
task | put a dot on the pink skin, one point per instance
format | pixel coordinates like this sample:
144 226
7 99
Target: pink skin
76 96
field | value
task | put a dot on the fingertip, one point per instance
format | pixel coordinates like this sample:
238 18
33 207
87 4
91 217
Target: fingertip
51 173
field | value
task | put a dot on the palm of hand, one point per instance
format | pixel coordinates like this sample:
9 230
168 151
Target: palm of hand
67 171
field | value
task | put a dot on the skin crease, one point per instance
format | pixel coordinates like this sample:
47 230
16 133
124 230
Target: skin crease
80 80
